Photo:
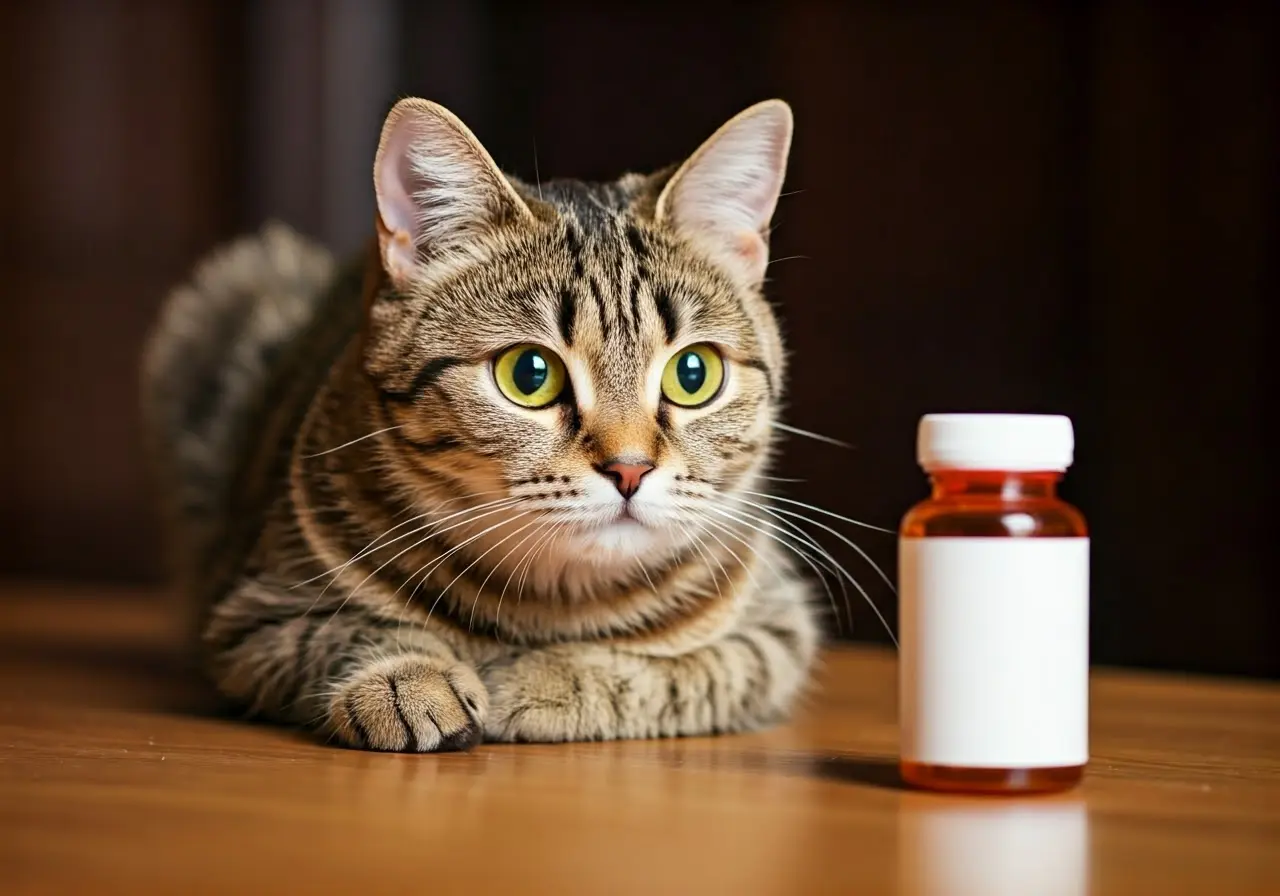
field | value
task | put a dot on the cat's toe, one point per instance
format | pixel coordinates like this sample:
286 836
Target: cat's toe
543 698
410 704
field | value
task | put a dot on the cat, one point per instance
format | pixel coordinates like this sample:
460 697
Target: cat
498 478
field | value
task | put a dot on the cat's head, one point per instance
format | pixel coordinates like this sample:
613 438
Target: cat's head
599 354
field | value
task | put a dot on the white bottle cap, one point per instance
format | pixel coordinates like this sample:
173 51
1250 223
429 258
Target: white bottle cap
1015 442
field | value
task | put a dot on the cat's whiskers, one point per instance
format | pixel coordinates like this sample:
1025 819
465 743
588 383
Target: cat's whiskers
822 511
861 590
816 436
439 561
835 567
787 545
430 535
773 261
537 175
696 541
432 531
533 556
434 563
541 533
497 616
374 545
472 564
699 520
370 435
829 564
644 570
779 511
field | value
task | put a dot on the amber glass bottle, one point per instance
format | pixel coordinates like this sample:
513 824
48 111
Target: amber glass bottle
994 610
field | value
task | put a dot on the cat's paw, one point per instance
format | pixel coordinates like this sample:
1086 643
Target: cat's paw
410 703
550 696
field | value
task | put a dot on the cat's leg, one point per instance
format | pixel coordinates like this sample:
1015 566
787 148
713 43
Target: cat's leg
749 678
360 678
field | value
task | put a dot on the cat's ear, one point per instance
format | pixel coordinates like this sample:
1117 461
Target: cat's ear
723 197
436 187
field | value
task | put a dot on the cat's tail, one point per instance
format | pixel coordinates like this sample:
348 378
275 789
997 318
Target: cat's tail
204 370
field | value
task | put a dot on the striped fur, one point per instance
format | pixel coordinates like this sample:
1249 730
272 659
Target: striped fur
389 552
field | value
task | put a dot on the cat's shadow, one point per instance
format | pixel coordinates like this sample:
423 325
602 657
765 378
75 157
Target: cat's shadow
138 677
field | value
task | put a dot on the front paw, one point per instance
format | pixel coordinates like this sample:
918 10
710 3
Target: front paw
544 696
410 703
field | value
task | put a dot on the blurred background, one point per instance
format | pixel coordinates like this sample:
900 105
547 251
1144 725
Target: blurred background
1044 207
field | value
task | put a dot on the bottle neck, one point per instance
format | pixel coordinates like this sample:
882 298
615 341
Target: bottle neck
995 485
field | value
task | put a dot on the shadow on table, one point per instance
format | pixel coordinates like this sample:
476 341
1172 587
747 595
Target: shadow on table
144 676
868 771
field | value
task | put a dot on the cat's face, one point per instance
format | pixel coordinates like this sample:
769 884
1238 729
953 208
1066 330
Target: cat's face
596 360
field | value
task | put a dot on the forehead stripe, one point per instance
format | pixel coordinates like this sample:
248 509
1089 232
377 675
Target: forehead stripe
638 245
426 378
600 309
670 324
568 314
635 306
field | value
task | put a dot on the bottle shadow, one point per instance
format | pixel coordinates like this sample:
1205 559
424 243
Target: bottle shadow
867 771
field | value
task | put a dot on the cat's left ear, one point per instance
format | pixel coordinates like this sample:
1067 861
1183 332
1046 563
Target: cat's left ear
724 196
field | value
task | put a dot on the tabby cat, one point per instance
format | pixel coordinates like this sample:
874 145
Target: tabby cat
499 477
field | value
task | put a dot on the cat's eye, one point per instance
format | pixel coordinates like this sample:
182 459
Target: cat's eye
530 375
693 376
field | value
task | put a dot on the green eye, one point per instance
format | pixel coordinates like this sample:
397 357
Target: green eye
530 375
693 376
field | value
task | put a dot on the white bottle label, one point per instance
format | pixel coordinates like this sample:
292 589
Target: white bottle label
994 655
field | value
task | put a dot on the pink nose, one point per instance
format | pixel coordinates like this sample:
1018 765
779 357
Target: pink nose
626 477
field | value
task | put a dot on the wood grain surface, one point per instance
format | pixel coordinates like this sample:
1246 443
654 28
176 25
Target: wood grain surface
116 775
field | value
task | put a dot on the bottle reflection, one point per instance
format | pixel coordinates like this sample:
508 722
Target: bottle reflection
967 848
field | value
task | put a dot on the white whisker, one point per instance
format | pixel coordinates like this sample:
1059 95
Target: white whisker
501 542
352 442
775 511
795 430
439 561
497 616
502 505
537 176
707 556
466 522
645 572
795 550
542 533
494 547
856 584
774 261
820 510
373 545
830 563
532 558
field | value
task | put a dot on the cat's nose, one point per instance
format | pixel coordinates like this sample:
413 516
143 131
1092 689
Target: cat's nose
626 476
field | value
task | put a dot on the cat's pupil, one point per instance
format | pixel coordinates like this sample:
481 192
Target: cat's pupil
691 372
530 371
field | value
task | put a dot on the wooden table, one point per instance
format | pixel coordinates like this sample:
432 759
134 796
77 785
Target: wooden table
115 777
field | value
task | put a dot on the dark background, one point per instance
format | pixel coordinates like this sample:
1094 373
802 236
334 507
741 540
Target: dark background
1022 207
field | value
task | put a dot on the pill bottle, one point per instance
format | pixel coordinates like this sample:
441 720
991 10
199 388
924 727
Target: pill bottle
994 610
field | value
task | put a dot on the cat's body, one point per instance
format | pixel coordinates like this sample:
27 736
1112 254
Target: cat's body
399 544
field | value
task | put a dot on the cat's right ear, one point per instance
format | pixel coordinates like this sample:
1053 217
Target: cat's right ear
436 187
724 196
